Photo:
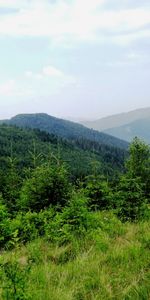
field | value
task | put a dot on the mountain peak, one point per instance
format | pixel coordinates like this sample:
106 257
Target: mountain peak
65 129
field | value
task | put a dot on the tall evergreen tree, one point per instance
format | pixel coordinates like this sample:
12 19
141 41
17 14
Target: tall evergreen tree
133 190
138 164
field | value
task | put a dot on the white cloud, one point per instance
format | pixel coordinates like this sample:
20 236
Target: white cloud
51 81
31 75
12 3
131 59
136 57
80 19
51 71
47 71
7 88
28 74
12 88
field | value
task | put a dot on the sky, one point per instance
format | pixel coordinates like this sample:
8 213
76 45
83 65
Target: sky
80 59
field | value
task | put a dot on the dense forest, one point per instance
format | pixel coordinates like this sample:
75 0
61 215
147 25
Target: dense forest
64 128
24 144
72 202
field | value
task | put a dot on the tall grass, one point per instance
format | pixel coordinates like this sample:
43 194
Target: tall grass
111 261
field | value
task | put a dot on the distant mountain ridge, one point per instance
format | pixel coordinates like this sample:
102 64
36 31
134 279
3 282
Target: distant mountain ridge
139 128
118 120
125 126
63 128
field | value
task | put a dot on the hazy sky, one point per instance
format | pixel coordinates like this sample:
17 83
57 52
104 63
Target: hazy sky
80 58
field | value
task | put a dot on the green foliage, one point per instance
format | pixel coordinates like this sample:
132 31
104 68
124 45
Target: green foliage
98 191
11 186
74 220
139 161
38 200
29 226
31 148
133 189
24 227
130 199
76 214
47 186
111 261
138 164
4 224
64 129
14 275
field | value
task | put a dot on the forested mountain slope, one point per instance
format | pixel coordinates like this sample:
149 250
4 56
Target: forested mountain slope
64 129
28 147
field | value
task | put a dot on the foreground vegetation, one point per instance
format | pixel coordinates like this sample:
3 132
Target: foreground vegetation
108 262
65 239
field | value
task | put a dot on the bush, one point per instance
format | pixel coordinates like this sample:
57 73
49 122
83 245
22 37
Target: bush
98 192
74 220
47 186
4 224
14 280
29 226
130 199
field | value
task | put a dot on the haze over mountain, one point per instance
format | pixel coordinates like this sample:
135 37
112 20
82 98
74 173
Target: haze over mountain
139 128
126 125
117 119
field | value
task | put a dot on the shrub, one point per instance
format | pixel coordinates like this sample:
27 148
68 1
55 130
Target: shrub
29 226
4 224
98 192
47 186
14 280
130 199
74 220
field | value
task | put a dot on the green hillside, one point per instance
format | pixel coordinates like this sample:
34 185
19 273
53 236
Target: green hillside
64 129
23 144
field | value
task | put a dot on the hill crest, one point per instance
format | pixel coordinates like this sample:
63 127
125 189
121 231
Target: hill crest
64 128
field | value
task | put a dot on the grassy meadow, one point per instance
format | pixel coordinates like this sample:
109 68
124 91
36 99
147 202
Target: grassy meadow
110 262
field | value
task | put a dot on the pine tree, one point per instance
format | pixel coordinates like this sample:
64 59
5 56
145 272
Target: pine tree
133 190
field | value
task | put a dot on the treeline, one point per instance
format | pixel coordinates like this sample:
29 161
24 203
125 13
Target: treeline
79 154
65 129
45 201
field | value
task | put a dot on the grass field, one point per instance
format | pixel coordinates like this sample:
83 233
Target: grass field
110 262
